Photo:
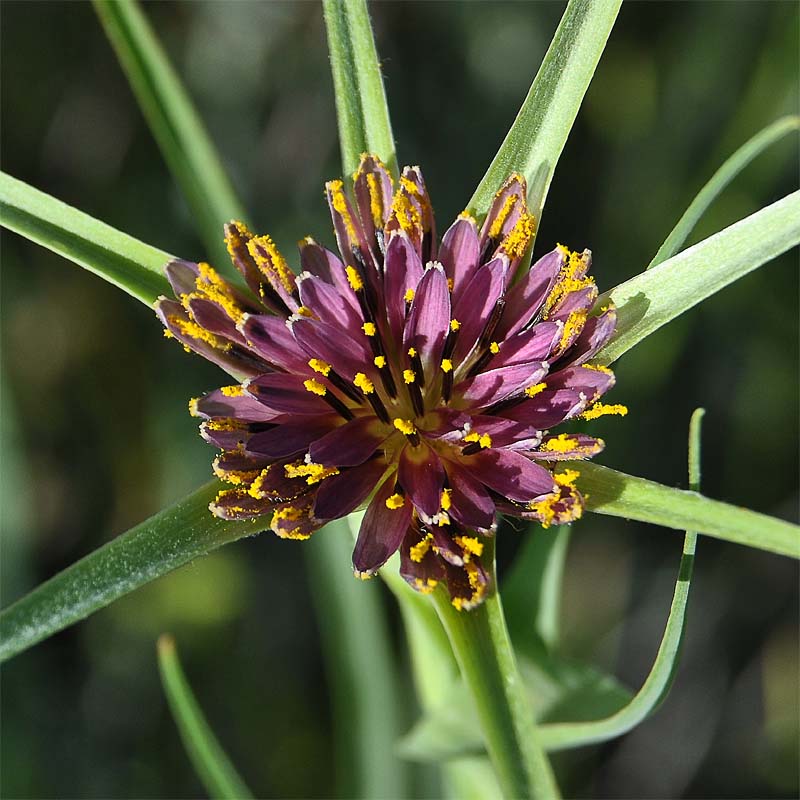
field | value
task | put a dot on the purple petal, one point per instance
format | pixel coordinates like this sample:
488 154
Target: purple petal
592 383
372 187
534 344
239 504
510 474
471 504
429 317
328 303
291 438
214 318
272 340
525 298
507 207
403 272
243 407
382 531
487 388
421 475
182 275
346 354
595 334
476 305
349 444
547 409
342 494
286 394
459 254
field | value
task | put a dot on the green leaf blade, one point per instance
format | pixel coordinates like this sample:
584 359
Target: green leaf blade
750 150
210 761
655 297
153 548
534 143
361 109
620 495
173 120
129 264
654 690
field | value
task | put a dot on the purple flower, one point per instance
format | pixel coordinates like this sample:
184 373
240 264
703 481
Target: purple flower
420 377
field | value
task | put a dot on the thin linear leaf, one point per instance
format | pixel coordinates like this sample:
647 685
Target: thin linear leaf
173 120
362 669
620 495
212 765
750 150
133 266
534 143
559 736
153 548
361 109
655 297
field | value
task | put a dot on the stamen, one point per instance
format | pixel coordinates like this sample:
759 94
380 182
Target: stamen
601 410
364 383
315 387
409 376
320 366
405 426
395 501
369 328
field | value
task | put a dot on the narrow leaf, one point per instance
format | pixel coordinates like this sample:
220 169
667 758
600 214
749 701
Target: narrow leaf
535 141
153 548
131 265
655 297
361 109
620 495
722 177
212 765
559 736
362 668
172 118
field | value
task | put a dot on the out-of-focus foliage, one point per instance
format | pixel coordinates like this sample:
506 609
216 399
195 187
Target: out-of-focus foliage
96 435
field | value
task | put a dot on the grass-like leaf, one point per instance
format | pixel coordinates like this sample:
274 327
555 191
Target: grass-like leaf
751 149
212 765
361 666
534 143
153 548
172 118
559 736
620 495
361 109
133 266
656 296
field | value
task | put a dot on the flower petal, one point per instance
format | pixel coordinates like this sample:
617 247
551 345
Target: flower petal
471 504
349 444
490 387
421 474
337 347
459 254
382 530
273 341
547 409
291 438
510 474
403 271
286 394
327 302
429 317
342 494
595 334
533 344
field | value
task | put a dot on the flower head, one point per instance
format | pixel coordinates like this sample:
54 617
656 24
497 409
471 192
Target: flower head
422 377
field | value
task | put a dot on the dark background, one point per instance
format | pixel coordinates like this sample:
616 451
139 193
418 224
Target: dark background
96 436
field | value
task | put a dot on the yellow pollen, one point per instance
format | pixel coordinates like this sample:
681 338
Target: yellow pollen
420 549
411 352
232 391
454 325
234 476
517 241
375 200
494 348
601 410
227 424
304 311
426 585
405 426
409 185
470 545
210 286
395 501
354 279
273 265
572 327
567 477
409 295
446 501
189 328
315 387
379 361
363 383
409 376
447 365
598 368
485 441
369 328
450 284
560 444
313 473
193 410
537 388
319 366
502 216
339 203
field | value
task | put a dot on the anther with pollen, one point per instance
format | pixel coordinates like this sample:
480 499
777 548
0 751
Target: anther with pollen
408 428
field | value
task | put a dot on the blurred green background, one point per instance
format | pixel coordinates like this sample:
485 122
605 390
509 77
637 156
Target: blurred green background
96 435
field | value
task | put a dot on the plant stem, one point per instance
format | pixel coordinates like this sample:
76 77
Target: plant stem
482 647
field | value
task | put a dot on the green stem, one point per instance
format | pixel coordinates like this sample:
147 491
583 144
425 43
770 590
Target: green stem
482 647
